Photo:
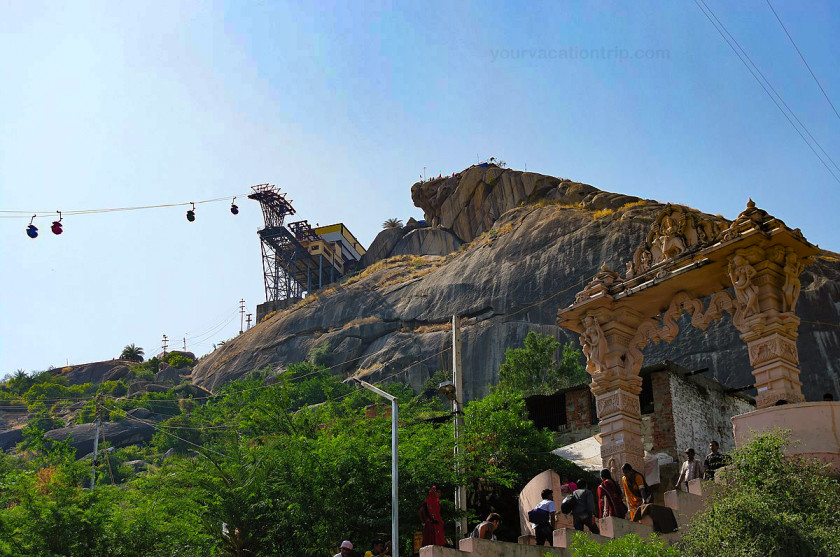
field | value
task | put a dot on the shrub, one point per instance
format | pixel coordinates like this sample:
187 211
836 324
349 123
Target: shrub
602 213
179 360
625 546
771 505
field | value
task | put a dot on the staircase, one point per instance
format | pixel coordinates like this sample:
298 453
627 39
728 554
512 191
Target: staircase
684 504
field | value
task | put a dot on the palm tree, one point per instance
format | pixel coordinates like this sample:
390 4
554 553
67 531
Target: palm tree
133 353
392 223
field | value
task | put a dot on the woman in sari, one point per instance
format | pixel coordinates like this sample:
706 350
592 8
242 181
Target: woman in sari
432 521
609 497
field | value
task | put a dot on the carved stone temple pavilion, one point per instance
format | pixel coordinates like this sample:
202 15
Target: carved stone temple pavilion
703 266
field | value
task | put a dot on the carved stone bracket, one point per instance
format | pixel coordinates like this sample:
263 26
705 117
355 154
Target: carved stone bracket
793 267
665 328
594 345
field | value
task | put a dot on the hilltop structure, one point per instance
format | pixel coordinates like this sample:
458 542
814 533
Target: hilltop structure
297 258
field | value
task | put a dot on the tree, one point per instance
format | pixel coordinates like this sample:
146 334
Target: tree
132 353
532 369
392 223
769 505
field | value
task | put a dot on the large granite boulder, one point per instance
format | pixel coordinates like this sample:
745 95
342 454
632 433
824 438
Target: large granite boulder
382 245
118 434
427 241
97 372
532 261
10 438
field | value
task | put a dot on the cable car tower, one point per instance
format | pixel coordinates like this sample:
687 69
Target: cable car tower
297 258
274 240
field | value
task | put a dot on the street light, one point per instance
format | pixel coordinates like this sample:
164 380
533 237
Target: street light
395 504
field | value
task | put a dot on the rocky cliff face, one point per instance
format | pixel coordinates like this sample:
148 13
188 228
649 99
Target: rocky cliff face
533 241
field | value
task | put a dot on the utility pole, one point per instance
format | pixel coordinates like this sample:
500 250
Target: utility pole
241 314
185 343
98 402
248 320
458 413
165 343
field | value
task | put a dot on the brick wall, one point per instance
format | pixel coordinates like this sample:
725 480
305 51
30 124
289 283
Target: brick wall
579 417
662 435
702 411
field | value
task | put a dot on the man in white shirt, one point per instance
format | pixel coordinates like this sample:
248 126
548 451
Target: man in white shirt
545 530
691 469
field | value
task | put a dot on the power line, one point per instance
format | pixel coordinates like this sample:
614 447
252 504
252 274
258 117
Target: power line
772 98
803 60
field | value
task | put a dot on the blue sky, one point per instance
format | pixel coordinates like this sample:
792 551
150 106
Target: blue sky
342 105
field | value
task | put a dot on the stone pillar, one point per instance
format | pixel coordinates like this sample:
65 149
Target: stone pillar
616 388
766 283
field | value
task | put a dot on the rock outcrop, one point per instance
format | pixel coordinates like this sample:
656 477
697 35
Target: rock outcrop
533 242
470 202
118 434
410 240
9 438
97 372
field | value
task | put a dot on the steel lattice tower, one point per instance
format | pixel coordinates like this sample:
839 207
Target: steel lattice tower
278 252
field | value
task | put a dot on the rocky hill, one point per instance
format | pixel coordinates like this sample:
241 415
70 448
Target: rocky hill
504 250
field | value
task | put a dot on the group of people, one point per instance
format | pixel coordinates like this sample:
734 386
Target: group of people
621 502
693 469
585 507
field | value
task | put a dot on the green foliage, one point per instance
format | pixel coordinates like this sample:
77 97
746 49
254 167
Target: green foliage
55 390
147 370
42 418
532 370
289 462
320 355
630 545
771 506
179 360
45 511
132 353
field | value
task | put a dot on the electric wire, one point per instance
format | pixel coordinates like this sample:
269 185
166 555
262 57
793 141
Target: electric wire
767 81
741 58
223 320
155 426
817 81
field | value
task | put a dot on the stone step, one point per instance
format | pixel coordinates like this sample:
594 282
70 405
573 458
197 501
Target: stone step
612 527
439 551
695 487
563 537
684 502
475 547
685 505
